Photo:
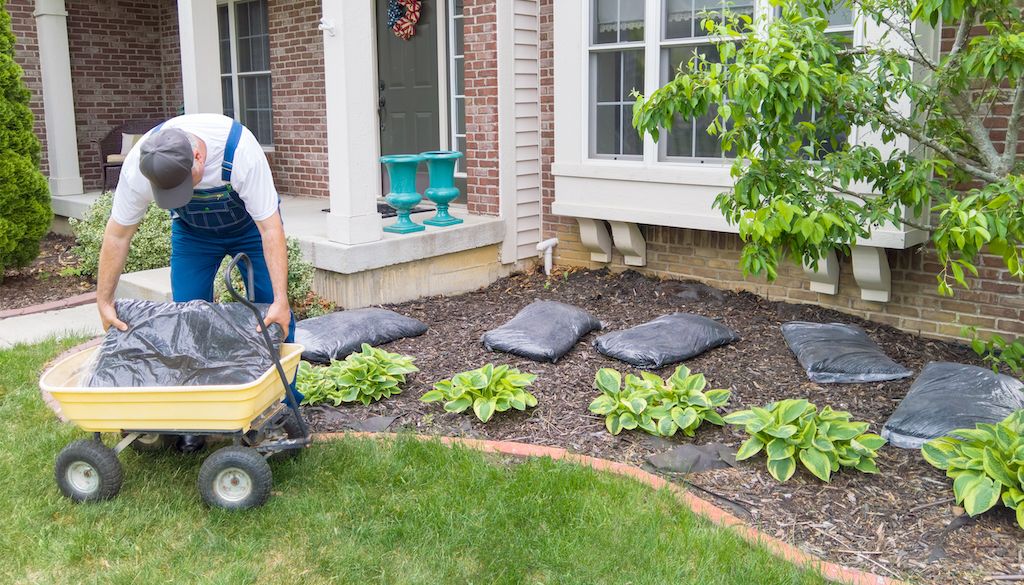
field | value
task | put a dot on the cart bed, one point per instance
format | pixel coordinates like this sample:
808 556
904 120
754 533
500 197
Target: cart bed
224 408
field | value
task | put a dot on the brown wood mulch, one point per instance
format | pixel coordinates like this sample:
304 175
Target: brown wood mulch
899 523
41 281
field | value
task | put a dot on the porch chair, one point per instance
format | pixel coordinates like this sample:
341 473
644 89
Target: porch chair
112 148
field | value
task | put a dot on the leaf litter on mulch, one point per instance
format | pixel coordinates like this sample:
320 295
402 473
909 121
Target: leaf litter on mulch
900 522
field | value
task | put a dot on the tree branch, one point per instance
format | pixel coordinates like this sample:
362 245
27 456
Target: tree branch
1013 128
905 127
963 32
904 33
975 128
866 200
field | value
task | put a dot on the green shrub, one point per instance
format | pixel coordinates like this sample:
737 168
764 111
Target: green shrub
151 246
660 407
984 463
368 376
488 390
794 429
24 193
304 302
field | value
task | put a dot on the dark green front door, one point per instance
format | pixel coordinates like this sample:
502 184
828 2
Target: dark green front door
407 71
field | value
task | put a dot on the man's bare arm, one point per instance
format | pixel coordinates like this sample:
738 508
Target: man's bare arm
275 250
117 239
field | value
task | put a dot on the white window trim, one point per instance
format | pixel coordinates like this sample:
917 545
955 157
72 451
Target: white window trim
451 63
235 74
652 191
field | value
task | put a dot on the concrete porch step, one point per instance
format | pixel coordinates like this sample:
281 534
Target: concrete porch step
147 285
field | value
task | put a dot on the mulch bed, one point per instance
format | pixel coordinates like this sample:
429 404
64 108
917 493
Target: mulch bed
901 522
41 281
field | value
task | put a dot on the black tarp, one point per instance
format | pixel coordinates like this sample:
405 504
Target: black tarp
665 340
182 344
544 331
336 335
836 353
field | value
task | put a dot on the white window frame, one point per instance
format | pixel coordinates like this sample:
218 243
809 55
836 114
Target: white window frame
235 74
655 45
455 61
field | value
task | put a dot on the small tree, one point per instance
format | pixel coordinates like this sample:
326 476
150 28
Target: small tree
24 194
802 190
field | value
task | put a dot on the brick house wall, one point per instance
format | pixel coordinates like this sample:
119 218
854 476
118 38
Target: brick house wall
995 302
26 54
481 64
299 160
116 46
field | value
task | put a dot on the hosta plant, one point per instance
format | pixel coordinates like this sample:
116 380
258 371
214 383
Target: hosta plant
366 376
985 463
792 430
660 407
488 390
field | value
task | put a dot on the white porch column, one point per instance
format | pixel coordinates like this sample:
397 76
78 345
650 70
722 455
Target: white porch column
200 56
58 101
353 131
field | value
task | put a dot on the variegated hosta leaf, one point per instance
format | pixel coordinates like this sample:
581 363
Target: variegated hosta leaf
491 389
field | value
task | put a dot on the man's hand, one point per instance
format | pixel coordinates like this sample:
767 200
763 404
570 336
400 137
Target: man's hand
108 317
279 313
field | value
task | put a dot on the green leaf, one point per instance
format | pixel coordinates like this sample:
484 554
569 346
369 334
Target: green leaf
613 424
718 397
782 469
871 441
684 417
782 432
816 462
981 495
667 427
779 449
997 469
1020 515
628 421
790 410
432 396
637 405
603 404
749 448
458 405
938 452
867 465
608 381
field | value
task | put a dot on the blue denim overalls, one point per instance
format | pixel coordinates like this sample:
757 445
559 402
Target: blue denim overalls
215 224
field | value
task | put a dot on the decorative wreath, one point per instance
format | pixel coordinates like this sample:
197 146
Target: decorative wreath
403 16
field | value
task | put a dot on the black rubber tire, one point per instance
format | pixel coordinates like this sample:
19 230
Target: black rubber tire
293 431
152 443
246 461
100 460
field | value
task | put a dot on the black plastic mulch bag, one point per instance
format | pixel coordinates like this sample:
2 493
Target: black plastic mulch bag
948 396
835 353
544 331
182 344
336 335
665 340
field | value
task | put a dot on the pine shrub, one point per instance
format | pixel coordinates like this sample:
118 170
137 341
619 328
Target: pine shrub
24 194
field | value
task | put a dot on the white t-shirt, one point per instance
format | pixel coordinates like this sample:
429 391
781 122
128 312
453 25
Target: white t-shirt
251 176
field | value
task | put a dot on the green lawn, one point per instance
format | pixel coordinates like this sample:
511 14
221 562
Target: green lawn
355 511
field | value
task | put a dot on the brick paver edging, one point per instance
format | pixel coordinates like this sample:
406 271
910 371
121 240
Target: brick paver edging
75 301
704 508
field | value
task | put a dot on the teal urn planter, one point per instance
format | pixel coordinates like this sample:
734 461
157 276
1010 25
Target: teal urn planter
442 190
403 196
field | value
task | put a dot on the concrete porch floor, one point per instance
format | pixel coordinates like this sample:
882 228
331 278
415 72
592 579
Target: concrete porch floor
396 268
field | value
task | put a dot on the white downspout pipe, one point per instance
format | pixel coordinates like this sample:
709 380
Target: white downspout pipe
546 247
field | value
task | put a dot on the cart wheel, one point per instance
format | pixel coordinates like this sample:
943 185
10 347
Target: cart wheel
235 478
292 430
88 471
152 442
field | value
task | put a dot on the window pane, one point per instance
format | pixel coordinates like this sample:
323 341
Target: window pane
679 141
606 21
227 96
224 30
255 104
253 38
840 16
460 115
631 142
609 80
702 10
618 21
607 129
632 73
678 19
460 36
706 145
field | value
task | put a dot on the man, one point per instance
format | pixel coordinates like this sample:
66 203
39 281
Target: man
213 176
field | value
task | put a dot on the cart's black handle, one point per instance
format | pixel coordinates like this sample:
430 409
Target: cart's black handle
248 302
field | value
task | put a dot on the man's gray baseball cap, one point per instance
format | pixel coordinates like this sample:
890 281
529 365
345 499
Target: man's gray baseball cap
167 162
